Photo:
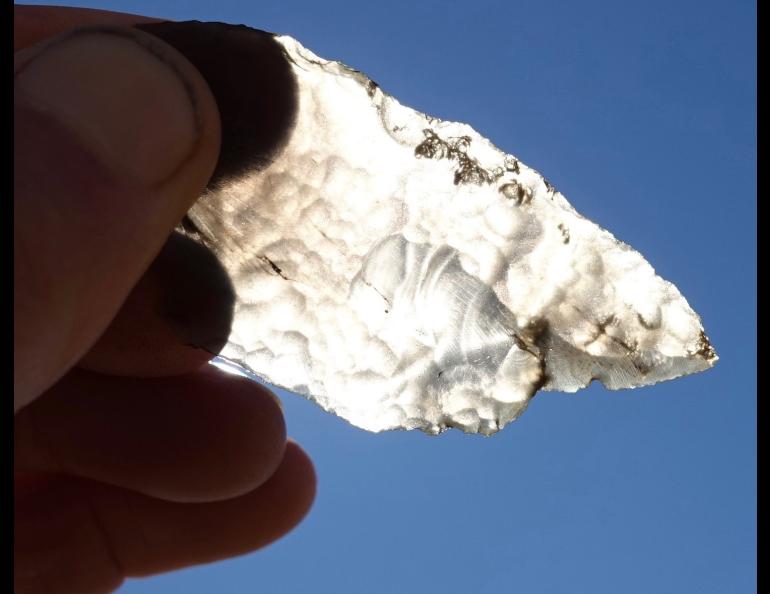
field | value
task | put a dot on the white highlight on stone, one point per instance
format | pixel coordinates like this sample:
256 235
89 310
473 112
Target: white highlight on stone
402 272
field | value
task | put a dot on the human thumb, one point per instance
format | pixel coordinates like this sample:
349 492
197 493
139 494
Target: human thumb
116 134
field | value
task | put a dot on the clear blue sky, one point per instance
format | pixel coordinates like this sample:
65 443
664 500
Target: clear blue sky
647 491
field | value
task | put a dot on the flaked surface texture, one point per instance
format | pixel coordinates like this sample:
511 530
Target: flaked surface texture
402 272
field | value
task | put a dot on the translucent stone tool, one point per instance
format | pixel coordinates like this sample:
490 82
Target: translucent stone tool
404 273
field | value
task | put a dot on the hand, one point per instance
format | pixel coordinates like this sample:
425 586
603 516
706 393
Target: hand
132 455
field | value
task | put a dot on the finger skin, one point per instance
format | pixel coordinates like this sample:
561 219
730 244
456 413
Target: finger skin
203 436
143 339
174 320
83 234
175 307
161 330
32 24
254 86
81 537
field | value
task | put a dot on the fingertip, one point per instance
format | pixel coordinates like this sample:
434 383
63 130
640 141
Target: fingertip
176 318
116 134
301 469
256 445
206 436
79 535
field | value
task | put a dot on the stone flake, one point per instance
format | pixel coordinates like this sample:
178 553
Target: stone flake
404 273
